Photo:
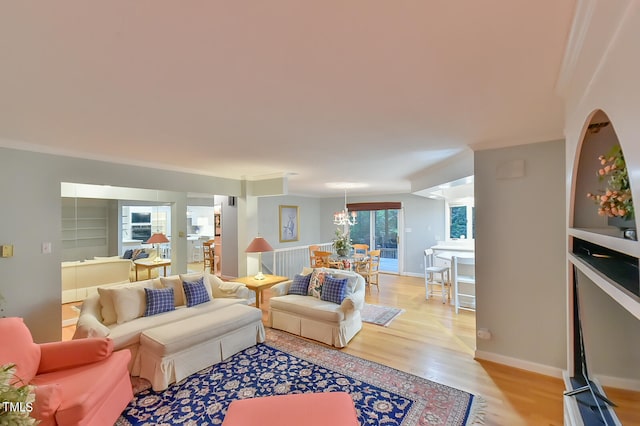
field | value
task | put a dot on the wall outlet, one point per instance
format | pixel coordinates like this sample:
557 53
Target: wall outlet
483 334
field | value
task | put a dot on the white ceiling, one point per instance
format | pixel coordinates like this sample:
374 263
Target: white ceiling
351 91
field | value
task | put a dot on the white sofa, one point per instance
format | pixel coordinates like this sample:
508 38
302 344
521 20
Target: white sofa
117 312
316 319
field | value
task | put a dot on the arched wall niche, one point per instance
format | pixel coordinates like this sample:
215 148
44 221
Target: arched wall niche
598 138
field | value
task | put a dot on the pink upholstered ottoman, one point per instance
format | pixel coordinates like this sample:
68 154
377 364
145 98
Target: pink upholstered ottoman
308 409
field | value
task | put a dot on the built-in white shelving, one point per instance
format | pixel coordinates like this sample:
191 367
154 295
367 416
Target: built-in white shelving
84 225
607 237
602 256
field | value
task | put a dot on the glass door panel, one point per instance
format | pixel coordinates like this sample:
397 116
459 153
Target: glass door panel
361 232
379 229
386 235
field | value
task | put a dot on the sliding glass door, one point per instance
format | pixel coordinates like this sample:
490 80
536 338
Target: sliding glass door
379 229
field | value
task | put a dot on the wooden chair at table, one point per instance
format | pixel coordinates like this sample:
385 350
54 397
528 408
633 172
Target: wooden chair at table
207 254
217 255
360 256
312 248
371 273
321 259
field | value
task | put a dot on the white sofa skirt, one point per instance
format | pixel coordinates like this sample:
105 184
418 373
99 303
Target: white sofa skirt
172 352
337 334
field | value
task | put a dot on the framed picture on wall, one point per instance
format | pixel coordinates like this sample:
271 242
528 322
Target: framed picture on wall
289 221
217 224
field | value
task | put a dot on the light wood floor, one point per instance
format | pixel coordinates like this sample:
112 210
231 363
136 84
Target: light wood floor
431 341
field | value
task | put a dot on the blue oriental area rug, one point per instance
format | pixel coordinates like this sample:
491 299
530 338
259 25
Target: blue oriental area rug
287 364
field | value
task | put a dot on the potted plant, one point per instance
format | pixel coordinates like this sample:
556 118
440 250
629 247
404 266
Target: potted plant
16 399
342 242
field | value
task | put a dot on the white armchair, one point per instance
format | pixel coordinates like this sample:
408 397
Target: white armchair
313 318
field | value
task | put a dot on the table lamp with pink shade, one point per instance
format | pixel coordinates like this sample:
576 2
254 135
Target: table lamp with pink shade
157 238
259 245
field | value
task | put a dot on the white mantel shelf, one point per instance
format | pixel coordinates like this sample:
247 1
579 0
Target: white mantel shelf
622 296
607 237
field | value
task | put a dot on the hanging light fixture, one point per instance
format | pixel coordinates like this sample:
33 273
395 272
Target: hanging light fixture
343 217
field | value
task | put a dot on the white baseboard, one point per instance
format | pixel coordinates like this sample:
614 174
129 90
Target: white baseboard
68 322
520 363
618 382
413 274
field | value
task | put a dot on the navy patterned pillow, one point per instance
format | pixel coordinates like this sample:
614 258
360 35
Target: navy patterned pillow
195 292
128 254
300 285
334 289
158 301
142 255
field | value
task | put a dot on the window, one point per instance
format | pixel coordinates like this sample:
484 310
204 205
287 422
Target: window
461 221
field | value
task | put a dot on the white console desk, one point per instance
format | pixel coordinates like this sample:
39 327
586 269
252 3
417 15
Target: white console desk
444 250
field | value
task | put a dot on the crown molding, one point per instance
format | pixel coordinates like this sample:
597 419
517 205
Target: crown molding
579 28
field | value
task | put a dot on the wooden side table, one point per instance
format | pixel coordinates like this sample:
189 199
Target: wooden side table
151 264
258 285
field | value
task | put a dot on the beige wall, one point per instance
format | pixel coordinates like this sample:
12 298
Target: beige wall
520 257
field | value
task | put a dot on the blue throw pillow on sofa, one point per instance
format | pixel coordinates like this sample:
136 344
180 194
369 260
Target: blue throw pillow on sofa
142 255
334 289
300 285
195 292
158 301
128 254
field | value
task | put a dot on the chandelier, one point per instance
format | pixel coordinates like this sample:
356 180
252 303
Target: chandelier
343 217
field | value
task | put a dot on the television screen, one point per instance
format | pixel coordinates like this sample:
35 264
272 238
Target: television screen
140 217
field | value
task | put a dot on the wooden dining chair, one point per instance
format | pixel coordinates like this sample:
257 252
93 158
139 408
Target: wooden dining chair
360 249
321 259
217 255
207 255
371 273
360 256
313 248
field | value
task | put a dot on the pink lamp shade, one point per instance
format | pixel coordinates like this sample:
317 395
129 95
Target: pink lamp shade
258 245
157 238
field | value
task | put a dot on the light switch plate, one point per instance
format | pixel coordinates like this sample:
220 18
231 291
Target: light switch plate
7 250
46 248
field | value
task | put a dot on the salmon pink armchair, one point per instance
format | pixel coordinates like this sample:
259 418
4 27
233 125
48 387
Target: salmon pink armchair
79 382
